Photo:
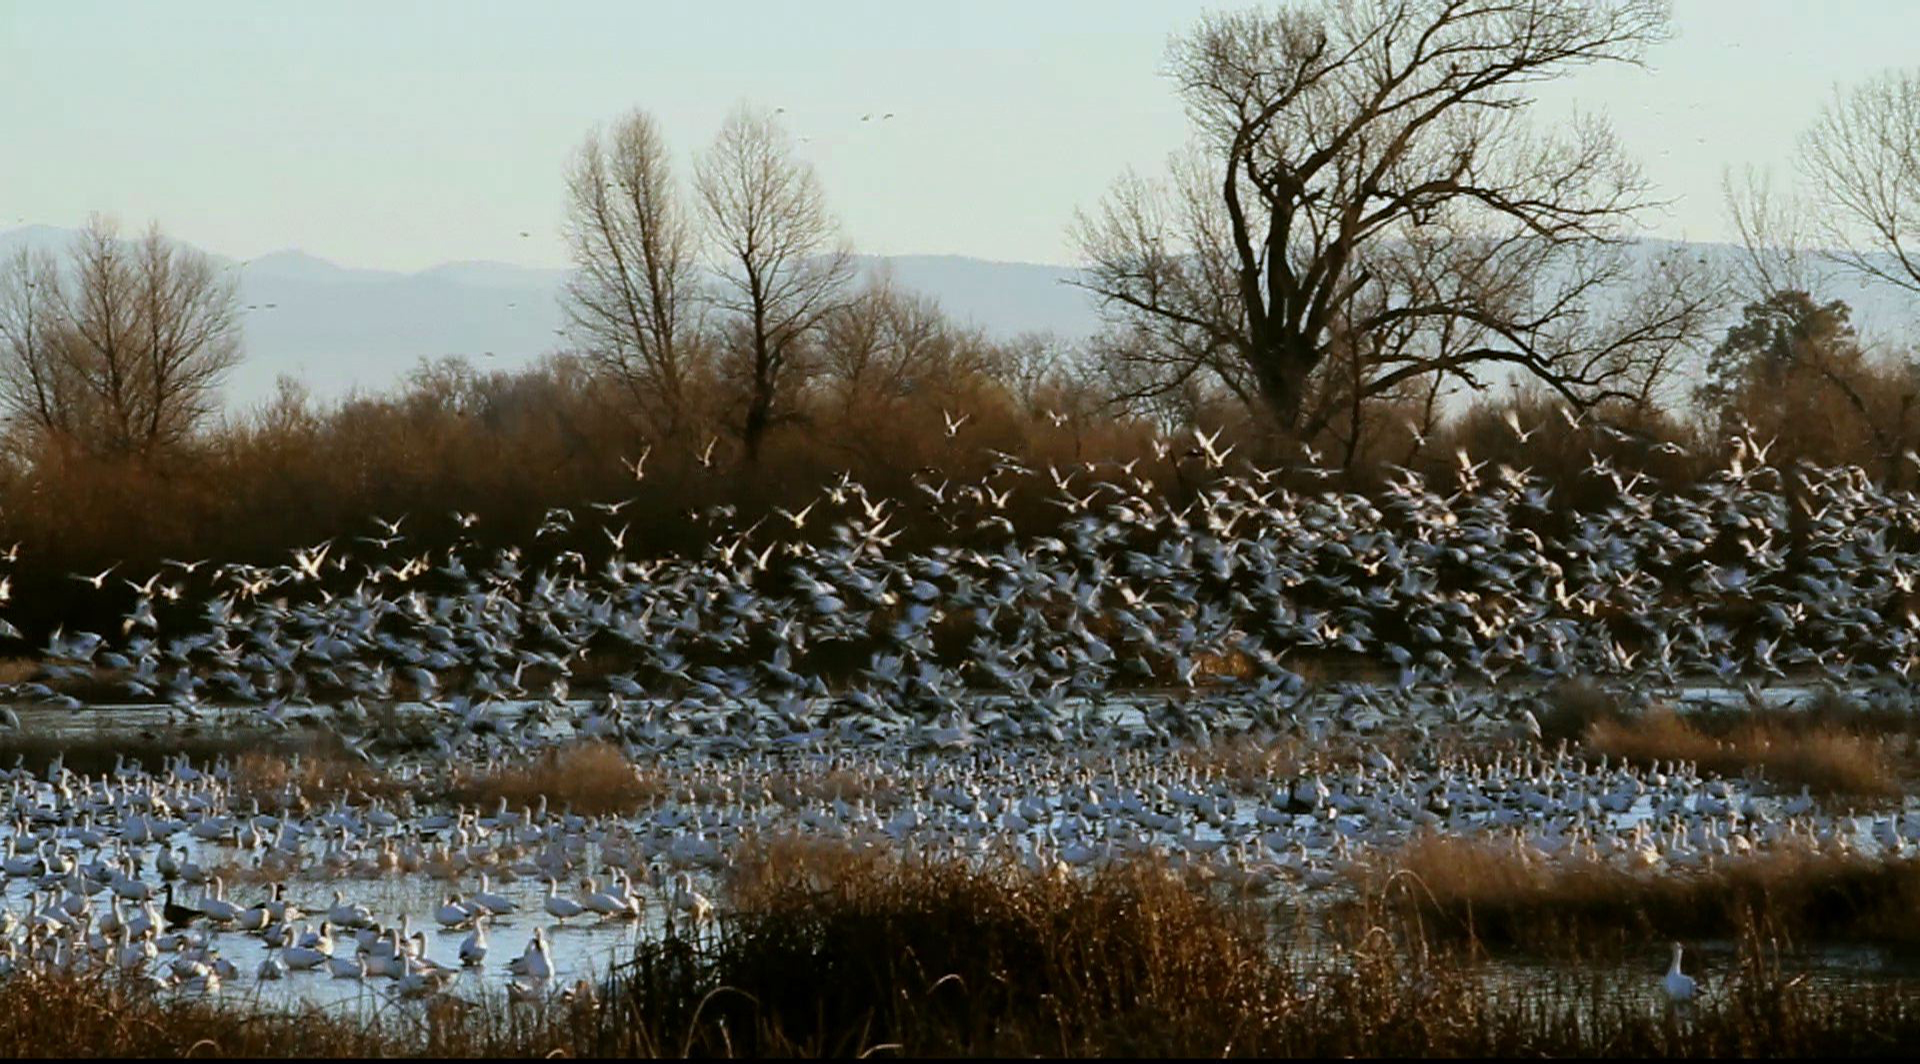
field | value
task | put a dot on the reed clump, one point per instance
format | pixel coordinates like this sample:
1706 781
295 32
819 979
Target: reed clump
1826 759
1497 894
591 777
796 789
99 1013
833 949
1247 760
312 772
1571 708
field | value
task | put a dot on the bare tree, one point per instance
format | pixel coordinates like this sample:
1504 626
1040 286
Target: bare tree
631 299
37 387
1862 157
889 343
1365 207
1773 247
783 266
125 357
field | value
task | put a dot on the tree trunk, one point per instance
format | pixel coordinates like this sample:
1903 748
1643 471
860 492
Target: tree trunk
759 409
1282 366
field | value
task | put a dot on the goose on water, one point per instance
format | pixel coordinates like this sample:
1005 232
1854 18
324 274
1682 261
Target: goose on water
1678 985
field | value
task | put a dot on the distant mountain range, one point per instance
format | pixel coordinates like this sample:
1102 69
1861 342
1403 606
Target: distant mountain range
340 328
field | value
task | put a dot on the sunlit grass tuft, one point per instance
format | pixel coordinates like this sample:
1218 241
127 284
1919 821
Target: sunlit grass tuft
590 778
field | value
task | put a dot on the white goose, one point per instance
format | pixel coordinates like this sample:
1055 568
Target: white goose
473 951
558 907
1679 986
491 902
539 965
691 901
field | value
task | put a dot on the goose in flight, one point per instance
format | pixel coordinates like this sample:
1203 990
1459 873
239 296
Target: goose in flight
98 580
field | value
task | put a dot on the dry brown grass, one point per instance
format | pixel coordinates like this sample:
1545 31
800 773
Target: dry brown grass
97 1015
797 789
1826 760
935 956
1571 707
1492 892
314 773
844 952
835 949
591 778
18 670
1247 760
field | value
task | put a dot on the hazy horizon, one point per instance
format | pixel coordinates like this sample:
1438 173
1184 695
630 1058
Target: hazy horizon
402 136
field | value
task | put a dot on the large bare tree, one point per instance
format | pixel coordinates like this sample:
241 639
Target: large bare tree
124 353
1862 157
1364 207
782 264
37 387
631 302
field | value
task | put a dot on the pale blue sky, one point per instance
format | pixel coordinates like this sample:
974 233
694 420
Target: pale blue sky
398 135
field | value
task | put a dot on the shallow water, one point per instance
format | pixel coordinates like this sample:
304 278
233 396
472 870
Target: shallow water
584 947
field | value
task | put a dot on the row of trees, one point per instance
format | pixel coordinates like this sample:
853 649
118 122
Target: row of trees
1364 223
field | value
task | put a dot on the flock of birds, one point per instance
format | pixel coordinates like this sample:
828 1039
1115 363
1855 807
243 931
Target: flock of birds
1191 616
998 693
128 868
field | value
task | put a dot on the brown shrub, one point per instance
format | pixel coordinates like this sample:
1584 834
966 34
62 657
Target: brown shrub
1248 761
1828 761
1496 893
796 789
315 772
947 957
1571 707
591 778
96 1014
